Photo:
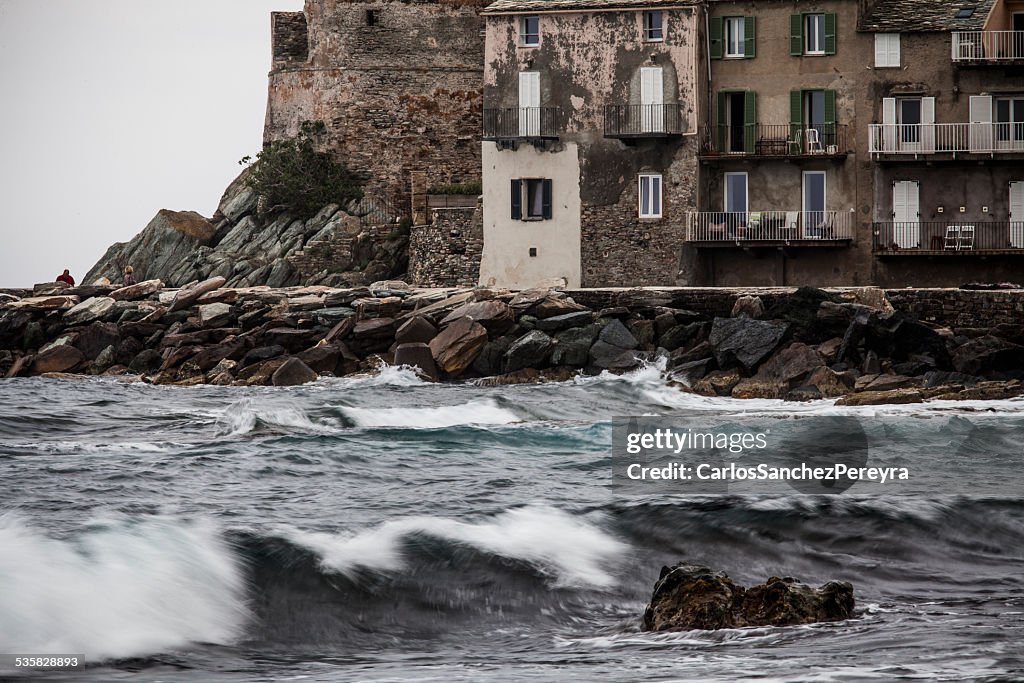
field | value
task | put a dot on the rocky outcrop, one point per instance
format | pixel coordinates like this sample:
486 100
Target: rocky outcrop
343 246
688 597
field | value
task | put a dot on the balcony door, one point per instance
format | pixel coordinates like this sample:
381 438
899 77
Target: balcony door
1018 35
1017 214
1010 122
652 99
815 216
906 213
529 104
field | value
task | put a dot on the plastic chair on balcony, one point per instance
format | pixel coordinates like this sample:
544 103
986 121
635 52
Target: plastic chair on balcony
812 141
952 237
966 241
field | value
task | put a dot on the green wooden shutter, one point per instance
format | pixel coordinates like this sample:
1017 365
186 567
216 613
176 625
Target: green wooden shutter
796 122
749 36
749 121
830 34
546 198
715 37
829 134
720 128
796 34
517 200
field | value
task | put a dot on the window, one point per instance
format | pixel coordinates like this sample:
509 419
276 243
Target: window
650 195
736 192
654 29
887 50
812 120
1010 120
734 37
814 34
531 199
909 115
529 31
965 13
371 17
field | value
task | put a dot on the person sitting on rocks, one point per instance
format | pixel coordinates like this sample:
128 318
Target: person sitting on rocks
129 277
66 278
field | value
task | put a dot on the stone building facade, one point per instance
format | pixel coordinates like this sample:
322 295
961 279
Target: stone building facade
446 251
396 82
590 139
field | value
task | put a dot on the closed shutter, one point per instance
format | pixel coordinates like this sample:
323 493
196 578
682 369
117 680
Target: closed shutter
547 199
517 200
796 123
749 120
928 124
881 49
749 36
889 127
830 34
715 37
828 136
722 121
1017 214
980 133
796 34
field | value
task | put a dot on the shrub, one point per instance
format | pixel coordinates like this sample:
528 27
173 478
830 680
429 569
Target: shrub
291 175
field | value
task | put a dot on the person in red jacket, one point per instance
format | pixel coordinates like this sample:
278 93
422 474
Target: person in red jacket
66 278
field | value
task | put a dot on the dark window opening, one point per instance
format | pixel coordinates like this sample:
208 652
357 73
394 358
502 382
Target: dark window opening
533 251
965 12
372 17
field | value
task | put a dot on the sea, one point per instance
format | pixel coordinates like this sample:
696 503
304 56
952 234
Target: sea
384 528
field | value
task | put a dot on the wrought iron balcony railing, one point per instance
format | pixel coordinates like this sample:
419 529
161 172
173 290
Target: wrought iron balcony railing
775 140
642 120
988 47
522 123
944 138
952 238
769 226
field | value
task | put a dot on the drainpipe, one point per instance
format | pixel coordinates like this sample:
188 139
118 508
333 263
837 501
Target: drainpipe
707 56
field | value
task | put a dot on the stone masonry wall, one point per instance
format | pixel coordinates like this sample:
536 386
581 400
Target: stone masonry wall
447 253
290 38
397 83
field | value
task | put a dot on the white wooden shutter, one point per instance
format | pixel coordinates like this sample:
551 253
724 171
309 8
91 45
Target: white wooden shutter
652 99
928 124
529 103
889 129
981 123
887 49
906 207
1017 214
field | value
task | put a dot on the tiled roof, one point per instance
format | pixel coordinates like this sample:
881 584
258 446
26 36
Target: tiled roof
509 6
925 15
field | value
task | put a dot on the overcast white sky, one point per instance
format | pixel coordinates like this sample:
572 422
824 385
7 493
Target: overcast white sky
113 109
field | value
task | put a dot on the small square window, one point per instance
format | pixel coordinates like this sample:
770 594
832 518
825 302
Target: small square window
650 195
529 31
965 12
887 49
735 37
533 252
372 17
814 34
654 26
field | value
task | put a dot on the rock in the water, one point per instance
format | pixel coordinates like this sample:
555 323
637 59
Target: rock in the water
137 291
187 296
574 344
688 597
57 359
417 355
147 361
293 373
415 330
458 345
90 309
744 341
95 338
532 350
874 398
613 346
987 356
497 317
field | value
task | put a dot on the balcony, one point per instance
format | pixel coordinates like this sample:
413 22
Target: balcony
522 123
947 238
988 48
643 120
767 141
929 140
769 228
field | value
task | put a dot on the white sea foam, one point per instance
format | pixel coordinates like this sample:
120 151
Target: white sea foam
485 412
573 550
242 417
387 376
118 589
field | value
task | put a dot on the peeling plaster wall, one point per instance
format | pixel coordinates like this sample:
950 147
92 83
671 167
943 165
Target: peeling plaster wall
588 60
400 96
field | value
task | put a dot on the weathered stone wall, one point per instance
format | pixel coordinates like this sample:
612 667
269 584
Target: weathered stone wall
447 252
397 83
289 39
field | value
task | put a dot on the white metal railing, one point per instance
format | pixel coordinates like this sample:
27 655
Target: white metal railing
986 46
934 138
768 226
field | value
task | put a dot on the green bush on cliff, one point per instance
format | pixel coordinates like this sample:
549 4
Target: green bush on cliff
292 175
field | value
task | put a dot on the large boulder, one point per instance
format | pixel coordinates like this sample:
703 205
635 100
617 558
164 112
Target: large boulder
574 344
989 356
417 355
171 239
292 373
57 359
187 296
415 330
91 309
800 310
688 597
57 302
745 341
532 350
139 290
95 338
614 346
497 317
458 345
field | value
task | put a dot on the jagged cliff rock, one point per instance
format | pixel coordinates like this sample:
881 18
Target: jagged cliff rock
337 247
